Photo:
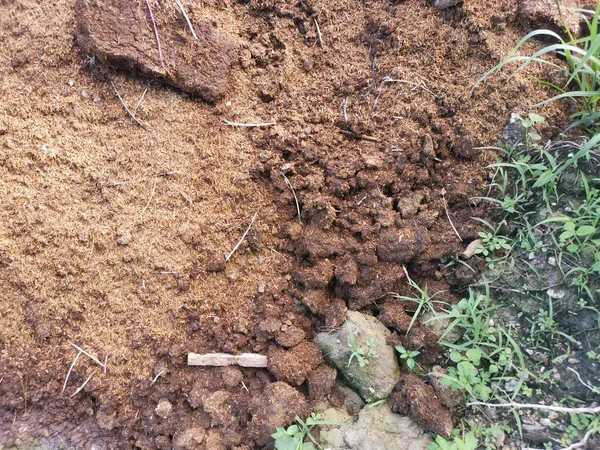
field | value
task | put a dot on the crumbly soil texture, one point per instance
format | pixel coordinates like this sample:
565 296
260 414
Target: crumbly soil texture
115 235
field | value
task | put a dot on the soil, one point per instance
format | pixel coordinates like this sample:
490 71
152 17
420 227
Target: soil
113 237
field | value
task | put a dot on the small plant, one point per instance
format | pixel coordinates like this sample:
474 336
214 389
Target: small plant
408 356
466 441
361 354
295 436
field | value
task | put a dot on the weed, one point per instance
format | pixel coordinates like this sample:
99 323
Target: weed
361 354
294 437
408 356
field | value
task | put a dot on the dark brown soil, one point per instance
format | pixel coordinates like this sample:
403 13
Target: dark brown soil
114 237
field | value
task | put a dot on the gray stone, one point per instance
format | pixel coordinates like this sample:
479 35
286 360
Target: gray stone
376 429
443 4
375 380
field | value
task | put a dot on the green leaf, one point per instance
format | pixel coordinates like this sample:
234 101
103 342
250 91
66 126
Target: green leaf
572 248
536 118
410 363
544 179
470 441
292 430
287 443
455 357
493 369
474 354
586 230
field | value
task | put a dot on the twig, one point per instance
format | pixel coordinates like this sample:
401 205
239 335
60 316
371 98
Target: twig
561 409
186 18
319 33
354 135
132 115
287 181
105 363
156 377
448 214
248 125
160 55
151 195
591 388
345 109
420 84
83 385
243 237
361 200
582 443
70 370
137 105
89 355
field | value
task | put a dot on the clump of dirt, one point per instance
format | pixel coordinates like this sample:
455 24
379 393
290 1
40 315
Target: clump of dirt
113 236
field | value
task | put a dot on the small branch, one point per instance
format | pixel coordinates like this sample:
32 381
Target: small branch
89 355
248 125
295 198
560 409
187 19
319 33
132 115
226 359
70 370
448 214
160 55
156 377
581 443
243 237
420 84
354 135
83 385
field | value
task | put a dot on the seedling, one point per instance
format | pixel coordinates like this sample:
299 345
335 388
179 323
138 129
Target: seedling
361 354
296 435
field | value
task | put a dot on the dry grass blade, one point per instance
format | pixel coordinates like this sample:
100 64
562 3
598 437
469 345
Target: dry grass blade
243 237
132 115
160 55
156 377
83 385
139 102
70 370
288 182
248 125
187 19
89 355
448 214
150 198
319 33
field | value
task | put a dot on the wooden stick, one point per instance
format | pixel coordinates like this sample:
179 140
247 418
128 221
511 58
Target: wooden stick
225 359
295 198
187 19
247 125
160 55
243 237
354 135
126 107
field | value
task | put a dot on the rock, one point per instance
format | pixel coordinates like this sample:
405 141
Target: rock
409 205
374 380
277 406
513 132
117 32
376 429
545 14
290 337
333 437
392 315
164 408
321 382
401 245
189 439
417 400
294 365
443 4
372 162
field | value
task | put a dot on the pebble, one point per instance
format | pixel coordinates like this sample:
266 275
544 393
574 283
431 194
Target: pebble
511 385
261 288
552 261
85 94
443 4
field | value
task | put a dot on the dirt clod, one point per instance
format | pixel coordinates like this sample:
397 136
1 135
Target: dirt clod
412 397
290 337
321 381
294 365
190 439
392 315
119 32
164 408
277 406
